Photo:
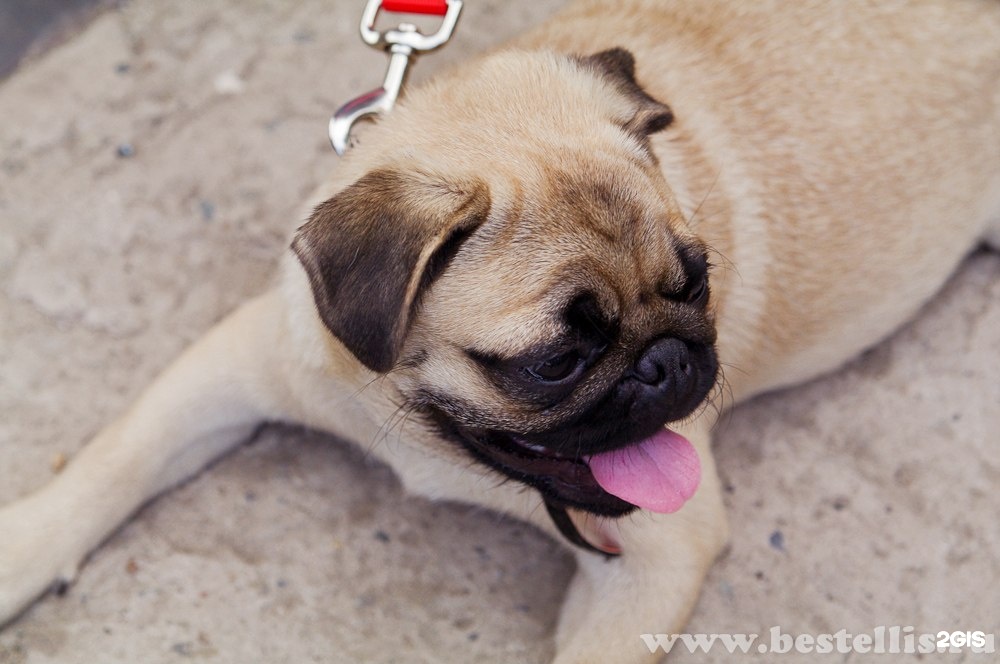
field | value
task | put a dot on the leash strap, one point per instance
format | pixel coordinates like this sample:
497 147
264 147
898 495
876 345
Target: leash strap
402 43
435 7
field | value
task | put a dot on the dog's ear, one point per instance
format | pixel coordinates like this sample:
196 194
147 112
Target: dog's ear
618 66
373 249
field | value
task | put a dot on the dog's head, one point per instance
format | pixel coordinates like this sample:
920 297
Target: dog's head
510 256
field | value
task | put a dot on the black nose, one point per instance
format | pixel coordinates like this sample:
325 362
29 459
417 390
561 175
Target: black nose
665 364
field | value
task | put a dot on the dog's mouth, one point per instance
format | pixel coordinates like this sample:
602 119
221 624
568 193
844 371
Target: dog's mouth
659 473
564 481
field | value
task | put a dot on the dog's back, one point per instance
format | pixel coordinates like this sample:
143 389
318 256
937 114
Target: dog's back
850 142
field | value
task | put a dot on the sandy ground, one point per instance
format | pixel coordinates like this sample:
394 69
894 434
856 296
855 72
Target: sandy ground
867 498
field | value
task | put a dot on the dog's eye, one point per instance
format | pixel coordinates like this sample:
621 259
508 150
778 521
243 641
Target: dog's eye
557 368
697 295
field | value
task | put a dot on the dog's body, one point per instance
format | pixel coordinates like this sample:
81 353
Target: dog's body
838 162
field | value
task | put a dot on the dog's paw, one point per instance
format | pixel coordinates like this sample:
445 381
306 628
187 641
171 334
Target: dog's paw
31 558
652 586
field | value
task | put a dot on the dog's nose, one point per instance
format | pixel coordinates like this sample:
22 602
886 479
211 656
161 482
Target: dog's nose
665 364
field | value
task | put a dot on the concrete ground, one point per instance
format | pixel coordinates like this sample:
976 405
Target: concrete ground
151 169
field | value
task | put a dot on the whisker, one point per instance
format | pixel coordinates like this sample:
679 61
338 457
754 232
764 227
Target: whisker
365 386
726 262
382 433
692 220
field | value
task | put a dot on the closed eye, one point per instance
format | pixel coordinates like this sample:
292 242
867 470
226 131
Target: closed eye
556 369
695 290
548 372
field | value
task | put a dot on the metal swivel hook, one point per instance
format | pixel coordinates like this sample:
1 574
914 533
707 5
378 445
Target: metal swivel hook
401 43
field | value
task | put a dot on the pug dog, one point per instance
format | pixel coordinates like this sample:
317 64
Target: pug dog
546 258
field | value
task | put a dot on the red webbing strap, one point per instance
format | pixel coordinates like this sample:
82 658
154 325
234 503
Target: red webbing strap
436 7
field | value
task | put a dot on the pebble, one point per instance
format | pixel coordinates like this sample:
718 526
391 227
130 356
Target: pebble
58 462
207 209
229 83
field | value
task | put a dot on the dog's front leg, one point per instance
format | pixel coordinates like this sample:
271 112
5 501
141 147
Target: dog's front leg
653 585
208 400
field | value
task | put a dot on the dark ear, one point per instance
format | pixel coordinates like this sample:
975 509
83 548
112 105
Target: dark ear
618 66
374 248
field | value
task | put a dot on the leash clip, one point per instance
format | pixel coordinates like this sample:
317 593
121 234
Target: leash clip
401 43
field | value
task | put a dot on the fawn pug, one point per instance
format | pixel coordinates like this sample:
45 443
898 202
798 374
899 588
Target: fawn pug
545 256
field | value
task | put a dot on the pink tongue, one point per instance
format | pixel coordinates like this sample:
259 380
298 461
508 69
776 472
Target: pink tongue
659 474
